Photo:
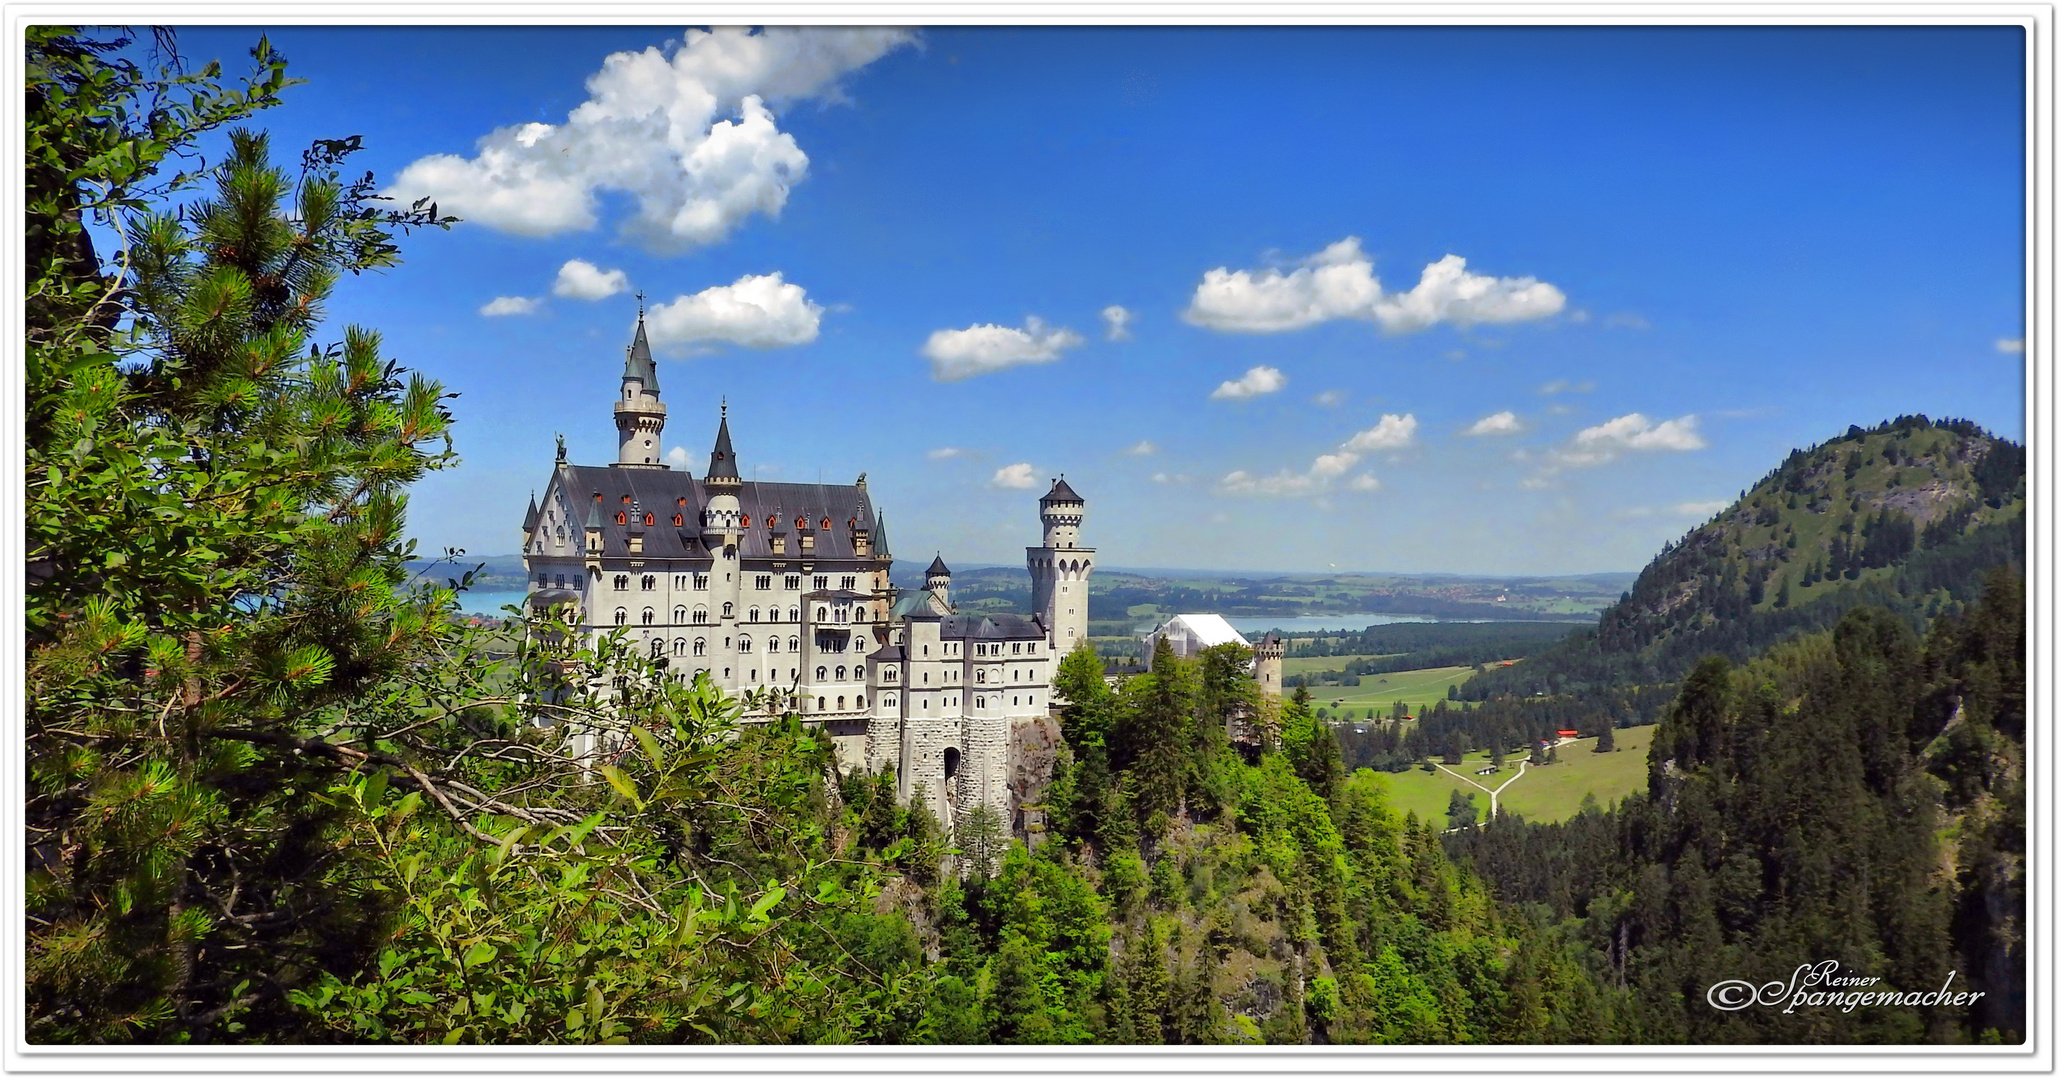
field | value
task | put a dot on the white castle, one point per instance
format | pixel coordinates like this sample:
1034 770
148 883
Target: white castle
784 587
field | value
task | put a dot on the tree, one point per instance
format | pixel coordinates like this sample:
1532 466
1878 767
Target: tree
1156 733
1607 740
214 541
1460 811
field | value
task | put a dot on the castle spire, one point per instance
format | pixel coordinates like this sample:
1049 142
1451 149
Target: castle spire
722 462
640 417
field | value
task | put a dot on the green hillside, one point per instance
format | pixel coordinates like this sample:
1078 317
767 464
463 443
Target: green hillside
1905 515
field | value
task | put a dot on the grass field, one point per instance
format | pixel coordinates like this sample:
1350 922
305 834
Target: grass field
1381 692
1548 793
1303 665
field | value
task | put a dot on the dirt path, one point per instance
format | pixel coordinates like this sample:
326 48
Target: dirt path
1494 793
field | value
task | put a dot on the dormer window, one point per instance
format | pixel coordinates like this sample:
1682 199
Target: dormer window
622 518
650 520
679 519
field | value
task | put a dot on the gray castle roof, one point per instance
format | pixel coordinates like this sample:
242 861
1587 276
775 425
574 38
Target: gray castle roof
1061 493
638 365
938 568
722 461
529 517
660 493
991 626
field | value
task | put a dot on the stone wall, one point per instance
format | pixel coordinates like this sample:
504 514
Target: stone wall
1035 744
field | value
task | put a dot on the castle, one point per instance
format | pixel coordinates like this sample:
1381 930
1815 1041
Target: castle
784 587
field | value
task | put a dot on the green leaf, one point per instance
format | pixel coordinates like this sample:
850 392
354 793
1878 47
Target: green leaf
766 902
480 953
623 785
652 750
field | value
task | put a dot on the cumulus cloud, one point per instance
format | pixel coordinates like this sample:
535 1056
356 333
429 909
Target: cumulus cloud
1633 431
1392 433
511 305
690 137
2011 345
979 350
677 457
1141 448
759 311
579 279
1256 381
1116 322
1018 476
1339 283
1502 423
945 453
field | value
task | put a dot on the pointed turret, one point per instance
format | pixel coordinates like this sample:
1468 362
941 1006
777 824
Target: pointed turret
722 462
529 518
640 418
880 537
938 580
722 516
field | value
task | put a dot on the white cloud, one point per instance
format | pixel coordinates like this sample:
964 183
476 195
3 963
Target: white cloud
1018 476
1392 433
1700 509
1329 398
1633 431
945 453
1141 448
2011 345
511 305
759 311
1240 482
579 279
1171 478
1330 465
1256 381
979 350
689 136
1339 283
677 456
1502 423
1562 386
1116 322
1365 482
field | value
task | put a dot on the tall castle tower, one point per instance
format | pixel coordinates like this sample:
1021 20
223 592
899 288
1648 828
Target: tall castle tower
1266 663
1059 570
639 416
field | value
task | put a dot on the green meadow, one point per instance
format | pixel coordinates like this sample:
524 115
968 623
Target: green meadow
1544 793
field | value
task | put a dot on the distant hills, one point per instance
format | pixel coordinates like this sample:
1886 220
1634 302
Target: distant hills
1906 515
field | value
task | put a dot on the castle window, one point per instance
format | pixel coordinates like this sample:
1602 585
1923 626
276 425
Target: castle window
794 644
701 646
888 674
840 701
701 582
650 582
980 703
822 581
682 501
822 673
822 614
679 519
729 610
680 614
744 644
700 615
754 614
650 520
561 581
826 524
801 523
622 617
622 518
794 614
773 644
561 534
679 581
679 646
1016 650
658 646
622 582
840 673
793 582
819 705
848 582
764 581
745 521
649 615
859 702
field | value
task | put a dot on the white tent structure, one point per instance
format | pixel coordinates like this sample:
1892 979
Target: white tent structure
1190 634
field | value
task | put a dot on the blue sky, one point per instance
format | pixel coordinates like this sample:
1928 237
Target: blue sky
1685 252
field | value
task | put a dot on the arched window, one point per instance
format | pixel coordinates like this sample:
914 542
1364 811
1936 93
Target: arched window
701 646
680 614
622 518
679 646
649 520
794 644
728 609
622 582
744 644
794 614
826 524
754 613
649 616
819 704
700 615
980 676
840 673
822 673
622 618
679 519
650 582
822 613
840 701
859 702
773 644
658 646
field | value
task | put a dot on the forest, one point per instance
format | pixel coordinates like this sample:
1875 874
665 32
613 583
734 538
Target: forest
278 792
